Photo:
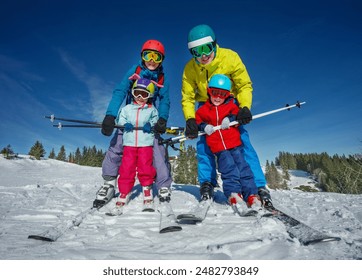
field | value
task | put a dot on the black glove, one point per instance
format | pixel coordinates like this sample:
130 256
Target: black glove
108 125
191 129
160 126
244 116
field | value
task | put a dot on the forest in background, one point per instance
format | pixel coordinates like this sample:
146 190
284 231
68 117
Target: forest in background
340 174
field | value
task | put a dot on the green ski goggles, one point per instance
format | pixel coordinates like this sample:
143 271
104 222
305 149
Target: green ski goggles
205 49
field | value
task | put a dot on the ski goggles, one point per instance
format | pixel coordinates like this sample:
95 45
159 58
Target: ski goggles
140 93
218 92
152 55
205 49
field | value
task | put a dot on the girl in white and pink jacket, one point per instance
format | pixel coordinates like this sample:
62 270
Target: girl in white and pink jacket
138 118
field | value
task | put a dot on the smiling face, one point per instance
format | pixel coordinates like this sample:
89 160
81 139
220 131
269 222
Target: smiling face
217 100
151 65
206 59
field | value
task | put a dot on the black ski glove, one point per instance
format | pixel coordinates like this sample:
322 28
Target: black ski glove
108 125
160 126
244 116
191 129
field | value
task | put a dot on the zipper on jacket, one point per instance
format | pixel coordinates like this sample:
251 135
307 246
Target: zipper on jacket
217 123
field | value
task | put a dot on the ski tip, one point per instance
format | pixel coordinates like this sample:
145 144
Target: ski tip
189 221
42 238
321 240
148 210
170 229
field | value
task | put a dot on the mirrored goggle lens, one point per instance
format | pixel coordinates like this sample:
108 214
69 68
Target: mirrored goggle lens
139 93
217 92
155 56
205 49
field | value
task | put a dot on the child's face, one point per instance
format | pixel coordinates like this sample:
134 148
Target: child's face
217 100
140 96
151 65
140 101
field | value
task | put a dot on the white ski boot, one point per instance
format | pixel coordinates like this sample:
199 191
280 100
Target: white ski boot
121 202
105 194
147 199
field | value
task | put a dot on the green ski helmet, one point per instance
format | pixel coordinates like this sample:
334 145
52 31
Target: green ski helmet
200 35
220 81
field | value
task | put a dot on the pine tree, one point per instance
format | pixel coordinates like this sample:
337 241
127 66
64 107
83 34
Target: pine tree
52 154
77 156
185 169
37 150
62 155
7 151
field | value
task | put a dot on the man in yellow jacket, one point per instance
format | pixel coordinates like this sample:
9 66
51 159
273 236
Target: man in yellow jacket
209 59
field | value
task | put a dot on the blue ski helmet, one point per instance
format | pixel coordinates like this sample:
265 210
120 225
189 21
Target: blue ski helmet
144 85
200 35
220 81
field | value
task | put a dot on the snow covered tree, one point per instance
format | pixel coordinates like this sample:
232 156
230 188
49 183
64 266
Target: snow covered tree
37 150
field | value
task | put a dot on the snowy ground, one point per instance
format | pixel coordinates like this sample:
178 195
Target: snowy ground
37 195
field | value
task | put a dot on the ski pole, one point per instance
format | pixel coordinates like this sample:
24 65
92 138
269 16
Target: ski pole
287 107
53 118
182 138
60 126
92 124
169 130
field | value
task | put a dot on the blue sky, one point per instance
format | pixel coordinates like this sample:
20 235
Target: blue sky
65 57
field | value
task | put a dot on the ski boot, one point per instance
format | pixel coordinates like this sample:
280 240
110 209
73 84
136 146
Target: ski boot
207 191
121 201
237 203
254 202
265 198
164 195
147 199
105 194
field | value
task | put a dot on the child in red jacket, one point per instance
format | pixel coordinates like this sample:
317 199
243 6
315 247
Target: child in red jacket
220 109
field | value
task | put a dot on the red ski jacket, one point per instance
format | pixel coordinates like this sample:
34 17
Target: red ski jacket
223 139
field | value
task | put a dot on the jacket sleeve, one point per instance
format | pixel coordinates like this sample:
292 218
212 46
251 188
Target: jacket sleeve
119 93
242 87
188 92
154 116
164 100
122 118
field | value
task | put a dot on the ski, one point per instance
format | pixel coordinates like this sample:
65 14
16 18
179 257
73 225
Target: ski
148 206
54 233
197 215
299 230
245 213
167 219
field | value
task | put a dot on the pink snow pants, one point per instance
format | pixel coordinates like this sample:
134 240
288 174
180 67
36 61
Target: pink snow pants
136 160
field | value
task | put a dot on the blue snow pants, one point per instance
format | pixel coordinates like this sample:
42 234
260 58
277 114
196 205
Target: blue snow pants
112 161
206 160
236 174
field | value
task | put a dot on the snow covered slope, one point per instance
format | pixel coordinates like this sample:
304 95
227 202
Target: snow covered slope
36 195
